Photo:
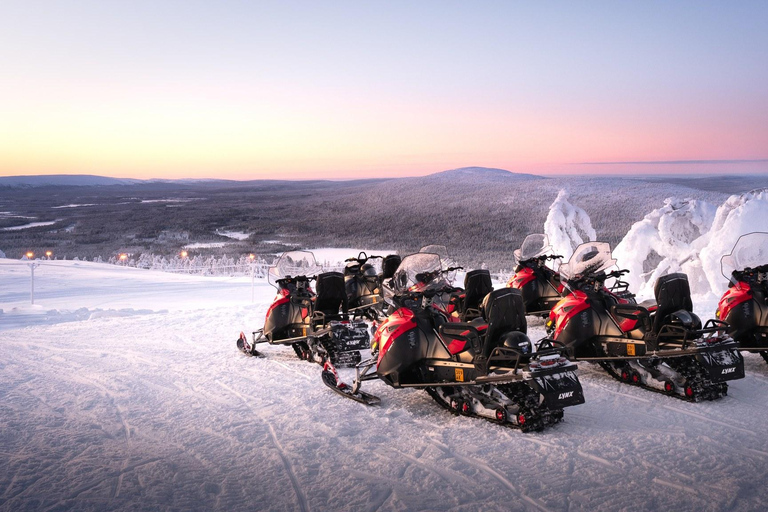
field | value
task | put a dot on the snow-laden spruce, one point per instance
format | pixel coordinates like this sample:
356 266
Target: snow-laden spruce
663 243
689 236
567 226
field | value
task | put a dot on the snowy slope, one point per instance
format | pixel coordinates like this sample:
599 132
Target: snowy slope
142 402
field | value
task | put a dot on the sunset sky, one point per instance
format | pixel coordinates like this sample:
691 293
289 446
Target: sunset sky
340 89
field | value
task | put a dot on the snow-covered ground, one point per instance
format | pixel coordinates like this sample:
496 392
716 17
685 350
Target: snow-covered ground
123 389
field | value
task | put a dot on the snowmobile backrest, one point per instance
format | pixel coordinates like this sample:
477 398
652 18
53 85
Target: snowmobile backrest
504 311
672 294
477 284
331 293
389 264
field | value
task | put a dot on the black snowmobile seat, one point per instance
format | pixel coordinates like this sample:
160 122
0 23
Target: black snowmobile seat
331 294
504 311
477 284
672 294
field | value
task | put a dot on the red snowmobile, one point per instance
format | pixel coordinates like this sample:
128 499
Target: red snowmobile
487 367
539 284
744 306
660 346
317 325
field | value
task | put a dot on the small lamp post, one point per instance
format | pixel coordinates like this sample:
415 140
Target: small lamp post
32 266
252 257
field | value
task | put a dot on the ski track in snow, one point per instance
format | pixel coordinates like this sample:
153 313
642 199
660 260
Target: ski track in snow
159 411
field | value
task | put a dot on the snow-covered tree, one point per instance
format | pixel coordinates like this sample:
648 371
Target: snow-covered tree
739 215
689 236
567 226
663 243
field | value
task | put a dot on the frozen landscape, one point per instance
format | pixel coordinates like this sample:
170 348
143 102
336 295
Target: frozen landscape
161 163
122 389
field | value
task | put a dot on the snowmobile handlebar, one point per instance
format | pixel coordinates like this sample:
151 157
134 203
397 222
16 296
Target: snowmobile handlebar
426 277
759 274
428 294
295 279
362 258
595 280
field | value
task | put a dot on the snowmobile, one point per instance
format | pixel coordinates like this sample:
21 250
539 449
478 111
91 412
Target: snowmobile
317 325
744 306
363 283
540 285
486 368
660 346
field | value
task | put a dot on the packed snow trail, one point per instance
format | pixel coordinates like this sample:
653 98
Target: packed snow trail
161 411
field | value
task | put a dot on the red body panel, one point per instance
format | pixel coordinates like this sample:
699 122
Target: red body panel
283 296
456 346
735 295
568 307
398 323
521 278
627 324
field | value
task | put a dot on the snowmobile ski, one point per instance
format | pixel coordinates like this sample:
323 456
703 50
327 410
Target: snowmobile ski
331 379
247 348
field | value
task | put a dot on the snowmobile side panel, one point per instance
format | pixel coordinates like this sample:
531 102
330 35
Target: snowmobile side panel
746 311
521 278
566 309
286 319
734 296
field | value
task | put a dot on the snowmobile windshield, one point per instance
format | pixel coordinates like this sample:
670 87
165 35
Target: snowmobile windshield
294 263
750 251
440 250
418 272
588 258
534 246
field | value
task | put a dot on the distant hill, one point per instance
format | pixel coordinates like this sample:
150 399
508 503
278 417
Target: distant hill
71 180
483 173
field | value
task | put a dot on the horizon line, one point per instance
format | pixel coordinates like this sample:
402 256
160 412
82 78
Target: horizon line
677 162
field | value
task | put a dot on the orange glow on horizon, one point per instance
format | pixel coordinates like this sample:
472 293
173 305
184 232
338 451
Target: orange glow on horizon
333 139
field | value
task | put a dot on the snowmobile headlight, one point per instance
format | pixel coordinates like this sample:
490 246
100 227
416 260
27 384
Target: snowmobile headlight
717 313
